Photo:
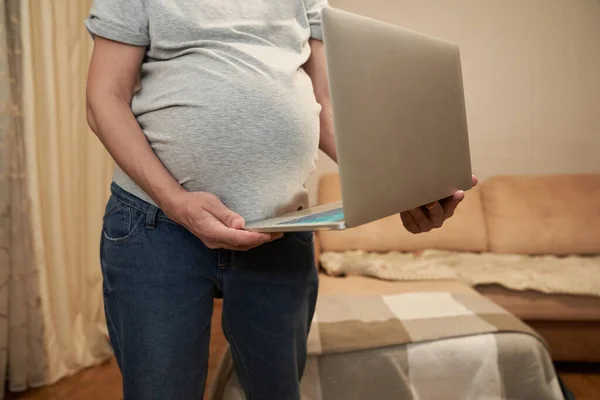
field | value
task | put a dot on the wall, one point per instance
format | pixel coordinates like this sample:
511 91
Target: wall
531 74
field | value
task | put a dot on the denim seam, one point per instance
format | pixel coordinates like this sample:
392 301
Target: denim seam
110 321
127 221
105 282
238 356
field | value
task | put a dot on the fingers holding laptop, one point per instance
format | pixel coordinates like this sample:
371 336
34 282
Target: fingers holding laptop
432 215
419 220
218 227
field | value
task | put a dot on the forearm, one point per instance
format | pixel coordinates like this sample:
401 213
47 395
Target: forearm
111 119
316 68
326 137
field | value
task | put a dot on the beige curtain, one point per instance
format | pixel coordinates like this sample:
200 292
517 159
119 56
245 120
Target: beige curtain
55 177
18 311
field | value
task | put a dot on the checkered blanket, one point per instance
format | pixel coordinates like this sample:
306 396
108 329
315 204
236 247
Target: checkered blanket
418 346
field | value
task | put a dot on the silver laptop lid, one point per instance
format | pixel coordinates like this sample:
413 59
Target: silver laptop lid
399 115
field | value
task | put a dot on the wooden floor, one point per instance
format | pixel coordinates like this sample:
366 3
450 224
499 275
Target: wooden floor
104 381
581 379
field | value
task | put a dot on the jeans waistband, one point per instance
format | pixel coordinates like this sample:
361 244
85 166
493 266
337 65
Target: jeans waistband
135 202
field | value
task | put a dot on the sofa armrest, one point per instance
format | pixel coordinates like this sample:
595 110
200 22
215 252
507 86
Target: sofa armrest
464 232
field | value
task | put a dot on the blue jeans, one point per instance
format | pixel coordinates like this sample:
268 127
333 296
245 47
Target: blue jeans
159 285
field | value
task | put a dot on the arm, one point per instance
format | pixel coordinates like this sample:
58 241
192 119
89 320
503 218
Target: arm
111 81
112 77
316 68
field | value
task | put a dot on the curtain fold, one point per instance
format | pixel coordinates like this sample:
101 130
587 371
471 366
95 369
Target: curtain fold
20 306
54 181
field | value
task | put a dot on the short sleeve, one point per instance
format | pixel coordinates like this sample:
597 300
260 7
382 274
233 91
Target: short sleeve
313 12
123 21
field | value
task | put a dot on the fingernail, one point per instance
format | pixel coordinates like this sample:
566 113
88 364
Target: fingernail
430 205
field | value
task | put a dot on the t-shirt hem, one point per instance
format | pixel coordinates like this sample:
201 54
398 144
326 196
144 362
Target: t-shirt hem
111 32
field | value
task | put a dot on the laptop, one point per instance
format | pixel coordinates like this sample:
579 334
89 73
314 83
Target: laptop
400 123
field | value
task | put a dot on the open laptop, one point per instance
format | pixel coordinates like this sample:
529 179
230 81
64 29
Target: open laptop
400 123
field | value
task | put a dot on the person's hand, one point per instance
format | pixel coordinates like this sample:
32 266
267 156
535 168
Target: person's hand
432 215
204 215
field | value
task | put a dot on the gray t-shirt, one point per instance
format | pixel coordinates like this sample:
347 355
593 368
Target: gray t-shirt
224 101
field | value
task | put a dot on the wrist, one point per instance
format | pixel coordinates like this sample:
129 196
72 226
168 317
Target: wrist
172 201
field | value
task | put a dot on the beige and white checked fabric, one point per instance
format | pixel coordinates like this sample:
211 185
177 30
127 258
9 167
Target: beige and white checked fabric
349 323
418 346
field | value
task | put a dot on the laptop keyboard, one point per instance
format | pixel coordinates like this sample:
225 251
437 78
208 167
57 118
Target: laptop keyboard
335 215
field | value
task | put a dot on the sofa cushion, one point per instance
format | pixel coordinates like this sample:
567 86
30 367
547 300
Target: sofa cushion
557 214
465 231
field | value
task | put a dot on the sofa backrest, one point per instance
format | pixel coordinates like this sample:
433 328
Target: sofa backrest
554 214
465 231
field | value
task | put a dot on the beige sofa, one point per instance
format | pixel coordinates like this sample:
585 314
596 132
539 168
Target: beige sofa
527 215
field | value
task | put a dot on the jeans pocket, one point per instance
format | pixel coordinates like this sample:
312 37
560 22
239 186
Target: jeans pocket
121 222
306 238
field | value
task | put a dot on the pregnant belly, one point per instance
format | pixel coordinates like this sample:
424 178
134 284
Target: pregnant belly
237 142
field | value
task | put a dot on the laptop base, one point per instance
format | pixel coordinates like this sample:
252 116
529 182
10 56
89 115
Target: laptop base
325 217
